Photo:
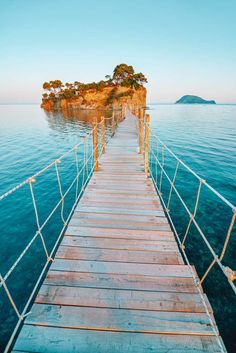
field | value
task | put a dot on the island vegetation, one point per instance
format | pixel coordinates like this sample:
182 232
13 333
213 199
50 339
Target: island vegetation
122 86
189 99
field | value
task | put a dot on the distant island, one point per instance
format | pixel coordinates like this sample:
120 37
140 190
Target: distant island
123 87
188 99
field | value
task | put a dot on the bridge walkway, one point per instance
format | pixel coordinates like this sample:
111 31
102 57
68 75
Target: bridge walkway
118 282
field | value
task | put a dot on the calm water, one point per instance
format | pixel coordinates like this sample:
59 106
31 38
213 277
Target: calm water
203 136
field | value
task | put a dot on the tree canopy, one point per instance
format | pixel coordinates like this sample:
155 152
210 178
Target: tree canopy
123 75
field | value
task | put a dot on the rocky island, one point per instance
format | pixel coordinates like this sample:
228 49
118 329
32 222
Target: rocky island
123 87
188 99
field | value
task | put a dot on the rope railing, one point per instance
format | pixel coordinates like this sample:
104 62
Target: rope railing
92 147
149 145
147 141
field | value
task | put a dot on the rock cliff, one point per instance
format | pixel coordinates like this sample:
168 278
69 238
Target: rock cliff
123 87
108 97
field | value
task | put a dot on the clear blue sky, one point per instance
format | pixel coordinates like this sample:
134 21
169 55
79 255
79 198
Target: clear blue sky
183 46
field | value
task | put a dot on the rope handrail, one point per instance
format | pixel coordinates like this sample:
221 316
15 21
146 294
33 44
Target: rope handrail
41 171
89 165
152 155
227 202
151 158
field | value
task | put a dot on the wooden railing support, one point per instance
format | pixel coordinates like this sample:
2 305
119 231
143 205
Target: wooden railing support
123 112
95 145
103 135
113 123
147 133
141 114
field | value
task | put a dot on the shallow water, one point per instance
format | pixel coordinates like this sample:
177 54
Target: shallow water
203 136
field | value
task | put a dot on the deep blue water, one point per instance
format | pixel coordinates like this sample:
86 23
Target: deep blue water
203 136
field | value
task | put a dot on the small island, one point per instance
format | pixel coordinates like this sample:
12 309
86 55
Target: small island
123 87
188 99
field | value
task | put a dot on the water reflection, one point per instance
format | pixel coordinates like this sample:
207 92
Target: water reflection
74 117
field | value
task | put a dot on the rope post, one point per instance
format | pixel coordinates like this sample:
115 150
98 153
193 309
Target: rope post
103 134
113 124
141 131
147 133
123 113
95 145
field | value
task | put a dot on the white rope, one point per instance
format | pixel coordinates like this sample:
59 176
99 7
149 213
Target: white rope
214 255
37 217
77 171
30 181
60 190
196 175
196 281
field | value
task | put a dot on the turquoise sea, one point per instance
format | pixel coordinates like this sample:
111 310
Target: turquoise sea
203 136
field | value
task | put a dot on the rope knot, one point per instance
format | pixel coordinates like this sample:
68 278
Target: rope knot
31 180
231 275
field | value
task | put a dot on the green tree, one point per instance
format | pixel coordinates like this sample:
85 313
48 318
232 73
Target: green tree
47 86
121 72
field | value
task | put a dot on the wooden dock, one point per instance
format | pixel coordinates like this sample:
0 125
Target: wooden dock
119 283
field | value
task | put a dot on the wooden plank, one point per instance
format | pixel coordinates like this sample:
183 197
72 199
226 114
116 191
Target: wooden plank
121 281
118 204
131 199
120 299
121 178
120 233
125 244
122 187
121 268
121 182
113 191
119 217
103 223
82 208
155 257
119 320
42 339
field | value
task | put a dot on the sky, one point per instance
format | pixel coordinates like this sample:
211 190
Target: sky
182 46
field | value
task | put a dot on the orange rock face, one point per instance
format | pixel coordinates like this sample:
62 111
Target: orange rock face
95 99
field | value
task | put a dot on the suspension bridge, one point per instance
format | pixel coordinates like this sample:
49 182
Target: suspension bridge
118 278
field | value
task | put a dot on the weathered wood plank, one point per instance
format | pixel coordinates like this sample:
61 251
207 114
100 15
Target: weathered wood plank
155 257
131 199
128 234
139 189
116 298
119 320
113 191
119 224
119 217
42 339
125 244
83 208
129 207
121 268
121 281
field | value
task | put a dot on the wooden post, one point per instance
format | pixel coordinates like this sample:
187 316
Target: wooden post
147 132
113 123
95 145
103 134
141 111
